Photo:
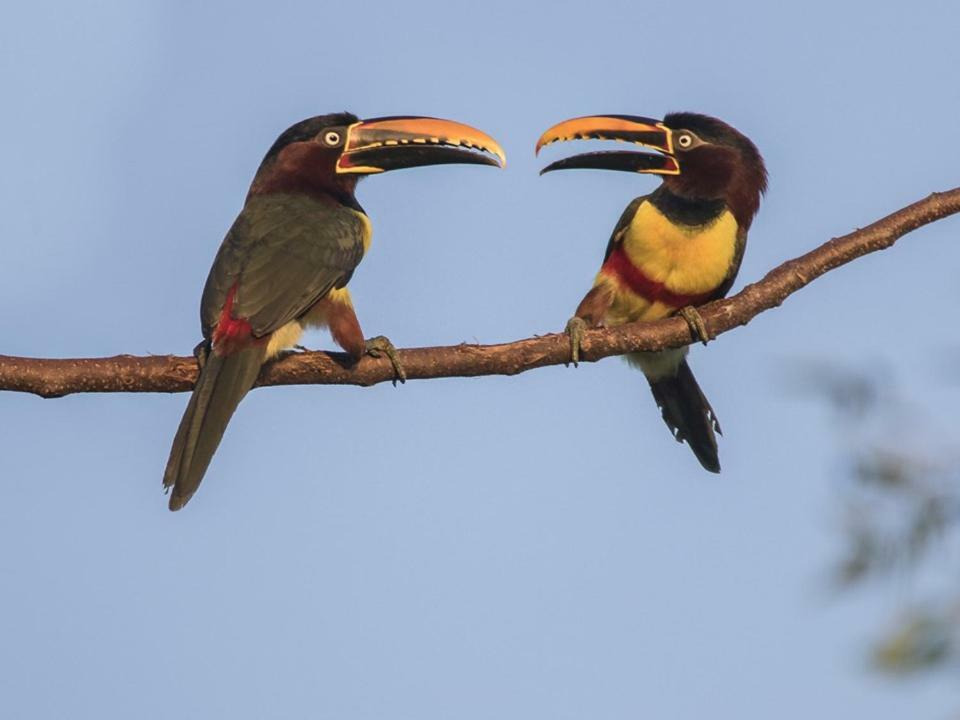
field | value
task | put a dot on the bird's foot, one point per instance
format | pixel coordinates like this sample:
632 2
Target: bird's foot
201 352
698 328
378 347
574 330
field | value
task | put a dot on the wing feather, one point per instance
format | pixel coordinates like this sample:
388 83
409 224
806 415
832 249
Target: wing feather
622 224
283 254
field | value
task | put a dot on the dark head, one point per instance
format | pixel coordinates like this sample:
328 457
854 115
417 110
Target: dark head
326 155
702 157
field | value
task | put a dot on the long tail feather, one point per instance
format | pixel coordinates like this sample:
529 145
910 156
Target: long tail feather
688 414
682 403
222 384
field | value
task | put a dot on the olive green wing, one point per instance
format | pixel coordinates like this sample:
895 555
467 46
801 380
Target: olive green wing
281 256
622 224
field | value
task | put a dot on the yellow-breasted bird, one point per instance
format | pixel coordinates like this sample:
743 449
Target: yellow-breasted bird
286 261
679 247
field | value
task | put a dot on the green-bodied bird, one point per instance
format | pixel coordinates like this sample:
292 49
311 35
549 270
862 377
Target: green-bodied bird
285 263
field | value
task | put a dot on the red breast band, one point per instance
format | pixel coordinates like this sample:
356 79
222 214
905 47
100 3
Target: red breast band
619 266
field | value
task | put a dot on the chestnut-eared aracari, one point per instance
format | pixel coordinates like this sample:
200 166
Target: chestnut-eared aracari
285 263
679 247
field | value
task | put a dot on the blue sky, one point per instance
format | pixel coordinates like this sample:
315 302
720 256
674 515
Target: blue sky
527 547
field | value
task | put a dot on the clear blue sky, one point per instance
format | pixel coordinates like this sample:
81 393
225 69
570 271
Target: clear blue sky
529 547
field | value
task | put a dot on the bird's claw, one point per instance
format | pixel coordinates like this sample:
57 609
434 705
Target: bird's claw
574 330
201 352
698 328
379 346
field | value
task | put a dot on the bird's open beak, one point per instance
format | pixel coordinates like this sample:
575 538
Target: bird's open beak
392 143
623 128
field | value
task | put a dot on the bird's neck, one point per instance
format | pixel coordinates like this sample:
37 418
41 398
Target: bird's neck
692 212
322 192
298 172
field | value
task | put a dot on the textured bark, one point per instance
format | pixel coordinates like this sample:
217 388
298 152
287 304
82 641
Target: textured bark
127 373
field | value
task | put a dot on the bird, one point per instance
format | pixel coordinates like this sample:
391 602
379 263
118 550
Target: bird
285 262
678 247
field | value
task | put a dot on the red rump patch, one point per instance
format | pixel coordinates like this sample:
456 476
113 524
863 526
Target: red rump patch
619 266
231 334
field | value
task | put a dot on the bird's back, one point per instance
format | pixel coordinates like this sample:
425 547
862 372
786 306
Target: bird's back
289 244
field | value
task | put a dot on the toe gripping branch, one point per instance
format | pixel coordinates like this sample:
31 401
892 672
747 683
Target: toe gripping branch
379 346
574 330
201 352
698 328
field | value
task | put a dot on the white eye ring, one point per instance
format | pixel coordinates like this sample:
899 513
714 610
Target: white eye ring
685 141
331 138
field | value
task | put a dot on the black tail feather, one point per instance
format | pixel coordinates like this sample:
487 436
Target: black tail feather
223 383
689 415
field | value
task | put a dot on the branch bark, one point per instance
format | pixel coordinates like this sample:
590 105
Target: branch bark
168 373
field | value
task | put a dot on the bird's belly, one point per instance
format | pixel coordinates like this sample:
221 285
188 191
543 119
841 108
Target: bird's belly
318 315
283 338
628 307
287 336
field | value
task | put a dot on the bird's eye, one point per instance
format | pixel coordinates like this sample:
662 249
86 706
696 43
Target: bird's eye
685 140
331 138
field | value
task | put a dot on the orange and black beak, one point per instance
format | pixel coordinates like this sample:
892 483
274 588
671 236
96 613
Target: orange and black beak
623 128
391 143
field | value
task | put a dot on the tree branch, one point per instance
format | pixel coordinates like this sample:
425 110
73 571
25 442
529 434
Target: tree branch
167 373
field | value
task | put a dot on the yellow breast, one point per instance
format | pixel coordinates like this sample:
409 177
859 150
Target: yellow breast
687 259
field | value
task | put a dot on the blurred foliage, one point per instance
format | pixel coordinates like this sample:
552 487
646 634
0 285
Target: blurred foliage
922 640
901 514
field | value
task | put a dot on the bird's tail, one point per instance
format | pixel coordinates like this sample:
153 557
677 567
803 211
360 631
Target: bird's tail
222 384
682 403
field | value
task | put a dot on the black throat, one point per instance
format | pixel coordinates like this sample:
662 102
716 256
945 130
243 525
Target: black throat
684 211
